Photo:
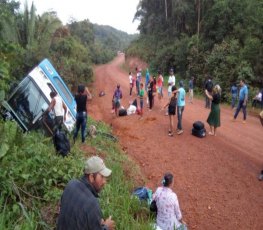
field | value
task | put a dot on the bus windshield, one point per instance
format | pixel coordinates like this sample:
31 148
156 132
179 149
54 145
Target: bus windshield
27 102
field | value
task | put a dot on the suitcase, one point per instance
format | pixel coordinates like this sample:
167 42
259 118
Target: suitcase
199 133
198 125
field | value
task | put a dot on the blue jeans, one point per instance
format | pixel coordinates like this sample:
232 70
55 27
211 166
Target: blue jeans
233 102
81 123
180 110
244 109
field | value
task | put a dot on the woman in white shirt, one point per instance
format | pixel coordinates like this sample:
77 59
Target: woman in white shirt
169 216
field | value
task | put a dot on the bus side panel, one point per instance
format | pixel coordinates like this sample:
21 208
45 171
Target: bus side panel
59 84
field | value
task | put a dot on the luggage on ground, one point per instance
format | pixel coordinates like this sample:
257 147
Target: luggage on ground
199 133
122 112
198 125
61 143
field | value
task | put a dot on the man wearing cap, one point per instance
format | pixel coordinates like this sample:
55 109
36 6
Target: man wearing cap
79 208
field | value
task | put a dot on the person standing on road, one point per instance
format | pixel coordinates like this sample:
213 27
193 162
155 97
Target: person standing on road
79 206
141 96
150 93
169 215
233 95
131 82
81 99
242 102
209 87
160 85
214 116
117 96
59 108
171 82
171 111
191 90
180 106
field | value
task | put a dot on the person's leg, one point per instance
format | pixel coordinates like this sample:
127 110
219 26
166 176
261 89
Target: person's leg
170 125
211 130
214 131
233 102
179 117
141 104
244 109
130 89
240 103
151 101
78 123
83 127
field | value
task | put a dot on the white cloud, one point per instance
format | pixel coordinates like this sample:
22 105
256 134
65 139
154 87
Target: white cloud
116 13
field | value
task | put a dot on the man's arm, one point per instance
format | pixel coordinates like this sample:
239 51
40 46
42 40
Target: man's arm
65 110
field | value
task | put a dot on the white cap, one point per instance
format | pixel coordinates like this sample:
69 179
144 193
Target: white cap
96 165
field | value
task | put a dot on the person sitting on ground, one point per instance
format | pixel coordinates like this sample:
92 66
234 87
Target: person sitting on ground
171 111
169 215
79 207
257 99
117 96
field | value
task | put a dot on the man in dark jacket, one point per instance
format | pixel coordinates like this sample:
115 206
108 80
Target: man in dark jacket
79 208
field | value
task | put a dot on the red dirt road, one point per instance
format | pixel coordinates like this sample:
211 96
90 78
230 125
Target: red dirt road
215 177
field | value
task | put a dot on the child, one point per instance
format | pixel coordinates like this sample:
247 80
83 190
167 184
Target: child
171 111
141 95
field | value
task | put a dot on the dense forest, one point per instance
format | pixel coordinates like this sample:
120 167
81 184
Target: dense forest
26 38
220 38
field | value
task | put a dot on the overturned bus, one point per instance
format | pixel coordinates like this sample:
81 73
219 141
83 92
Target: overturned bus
28 102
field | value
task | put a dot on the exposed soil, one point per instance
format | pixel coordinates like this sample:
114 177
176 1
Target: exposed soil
215 177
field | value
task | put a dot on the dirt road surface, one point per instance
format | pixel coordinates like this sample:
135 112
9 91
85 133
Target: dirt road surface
215 177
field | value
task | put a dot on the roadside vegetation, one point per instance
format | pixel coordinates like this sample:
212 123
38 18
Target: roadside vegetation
221 38
33 177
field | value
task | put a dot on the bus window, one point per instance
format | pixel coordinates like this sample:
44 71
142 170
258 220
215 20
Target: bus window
64 90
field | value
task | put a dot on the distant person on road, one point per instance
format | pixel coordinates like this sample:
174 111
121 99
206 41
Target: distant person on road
261 120
242 102
171 82
147 79
141 96
131 82
117 96
160 85
169 215
138 79
180 106
214 116
171 111
150 93
59 108
257 99
79 208
234 92
209 88
191 90
82 112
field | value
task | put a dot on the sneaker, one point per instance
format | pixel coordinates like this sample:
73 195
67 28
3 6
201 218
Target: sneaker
180 132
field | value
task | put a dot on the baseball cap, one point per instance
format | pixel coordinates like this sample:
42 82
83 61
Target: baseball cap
96 165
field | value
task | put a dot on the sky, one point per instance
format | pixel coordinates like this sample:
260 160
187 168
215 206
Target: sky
116 13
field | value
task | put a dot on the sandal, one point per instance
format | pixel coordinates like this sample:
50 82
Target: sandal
211 134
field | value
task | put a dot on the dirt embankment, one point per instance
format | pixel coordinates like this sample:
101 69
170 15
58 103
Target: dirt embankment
215 177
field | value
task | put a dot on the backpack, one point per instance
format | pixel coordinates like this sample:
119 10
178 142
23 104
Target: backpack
199 133
61 143
198 125
141 193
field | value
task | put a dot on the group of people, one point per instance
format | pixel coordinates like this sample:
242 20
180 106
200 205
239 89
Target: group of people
80 209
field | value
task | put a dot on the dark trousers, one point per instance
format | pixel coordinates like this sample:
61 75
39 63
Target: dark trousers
150 96
180 110
81 123
244 109
58 123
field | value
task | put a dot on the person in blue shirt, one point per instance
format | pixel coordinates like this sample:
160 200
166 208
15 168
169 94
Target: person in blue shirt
233 95
242 102
191 90
180 106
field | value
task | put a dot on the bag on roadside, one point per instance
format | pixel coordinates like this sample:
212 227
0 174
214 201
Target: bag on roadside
61 143
122 112
198 125
199 132
141 193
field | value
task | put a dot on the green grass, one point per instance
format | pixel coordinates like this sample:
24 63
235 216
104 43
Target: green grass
33 176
